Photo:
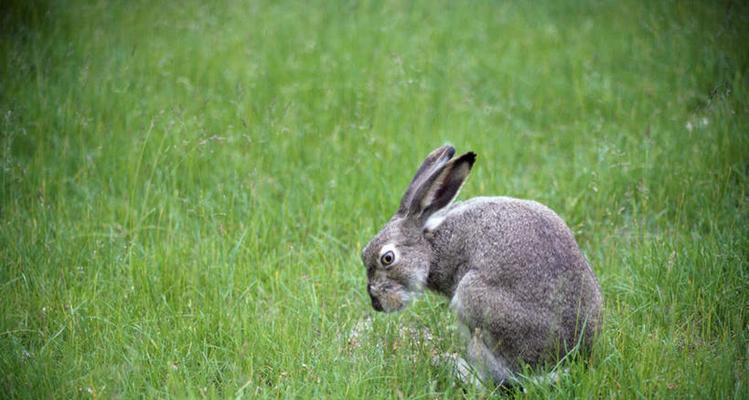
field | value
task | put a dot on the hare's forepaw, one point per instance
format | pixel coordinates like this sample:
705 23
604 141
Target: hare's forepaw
459 367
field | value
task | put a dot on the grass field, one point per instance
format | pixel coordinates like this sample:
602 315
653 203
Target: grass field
186 187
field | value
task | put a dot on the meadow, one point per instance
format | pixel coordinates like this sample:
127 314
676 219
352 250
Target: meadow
185 188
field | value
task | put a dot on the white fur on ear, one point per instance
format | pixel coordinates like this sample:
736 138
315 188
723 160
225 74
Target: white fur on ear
432 192
455 172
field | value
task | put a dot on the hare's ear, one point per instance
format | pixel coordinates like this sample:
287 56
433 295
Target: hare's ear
436 159
441 187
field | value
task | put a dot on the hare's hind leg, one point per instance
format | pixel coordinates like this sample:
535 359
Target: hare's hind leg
481 368
490 366
502 329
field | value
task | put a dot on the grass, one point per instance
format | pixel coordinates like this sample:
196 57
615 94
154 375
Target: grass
186 186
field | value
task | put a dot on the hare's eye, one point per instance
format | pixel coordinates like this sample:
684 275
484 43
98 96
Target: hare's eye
387 258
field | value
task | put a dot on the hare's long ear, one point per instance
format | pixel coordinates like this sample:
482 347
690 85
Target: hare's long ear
441 187
436 159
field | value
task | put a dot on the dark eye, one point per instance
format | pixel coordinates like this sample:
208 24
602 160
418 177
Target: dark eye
387 258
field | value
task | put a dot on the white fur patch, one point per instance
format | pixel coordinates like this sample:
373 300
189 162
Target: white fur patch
432 192
460 368
549 378
390 247
434 221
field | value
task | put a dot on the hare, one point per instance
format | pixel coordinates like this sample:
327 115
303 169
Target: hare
517 280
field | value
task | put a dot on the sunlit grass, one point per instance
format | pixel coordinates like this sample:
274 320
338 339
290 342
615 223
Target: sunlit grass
186 187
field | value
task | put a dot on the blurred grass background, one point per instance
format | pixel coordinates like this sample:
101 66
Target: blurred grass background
186 186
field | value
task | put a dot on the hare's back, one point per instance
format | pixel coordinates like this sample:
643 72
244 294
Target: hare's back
525 250
514 241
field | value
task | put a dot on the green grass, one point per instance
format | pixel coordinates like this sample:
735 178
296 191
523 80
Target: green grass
186 187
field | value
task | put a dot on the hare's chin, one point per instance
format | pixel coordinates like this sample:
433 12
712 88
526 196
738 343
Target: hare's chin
404 299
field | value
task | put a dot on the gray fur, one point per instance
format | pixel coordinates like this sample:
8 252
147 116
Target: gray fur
516 278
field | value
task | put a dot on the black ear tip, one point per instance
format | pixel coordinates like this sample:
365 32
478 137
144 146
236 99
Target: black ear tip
469 157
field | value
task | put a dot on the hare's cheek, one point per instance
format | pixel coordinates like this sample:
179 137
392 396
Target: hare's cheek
416 280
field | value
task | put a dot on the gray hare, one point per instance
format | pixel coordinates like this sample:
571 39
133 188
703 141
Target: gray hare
517 280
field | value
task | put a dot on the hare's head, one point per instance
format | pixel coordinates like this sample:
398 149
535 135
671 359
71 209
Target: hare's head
399 256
